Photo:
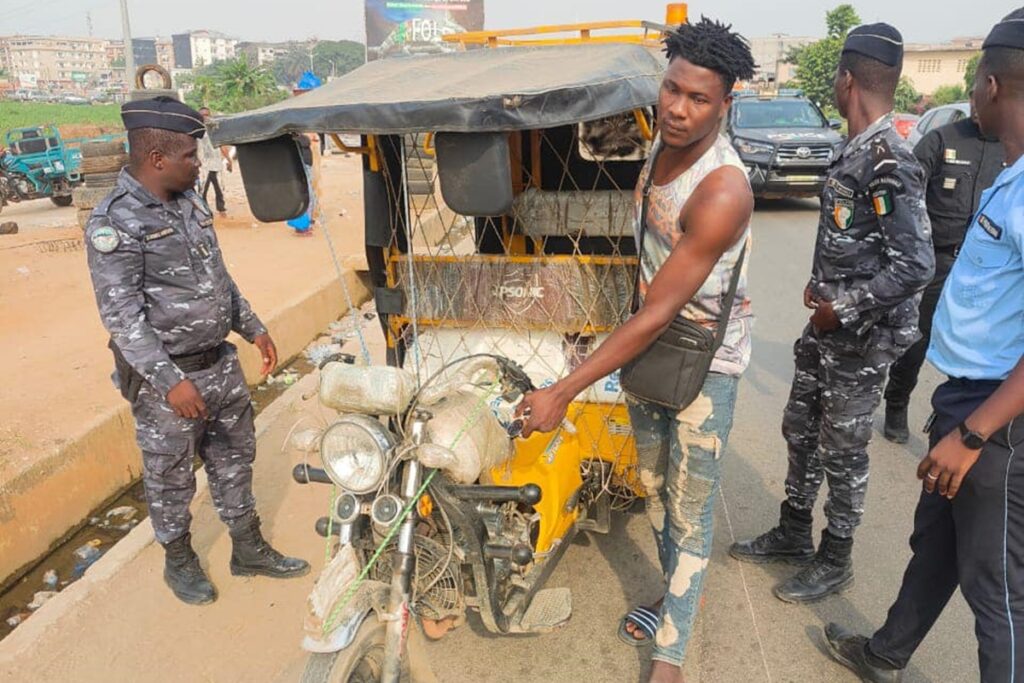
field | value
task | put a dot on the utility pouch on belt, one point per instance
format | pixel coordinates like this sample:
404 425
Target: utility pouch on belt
671 372
130 380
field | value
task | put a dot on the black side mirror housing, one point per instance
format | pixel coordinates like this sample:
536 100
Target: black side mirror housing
274 178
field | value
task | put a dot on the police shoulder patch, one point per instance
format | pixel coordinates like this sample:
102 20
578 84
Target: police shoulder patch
842 213
883 201
892 182
104 239
882 156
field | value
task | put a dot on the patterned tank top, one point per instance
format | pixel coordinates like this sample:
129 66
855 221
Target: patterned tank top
664 230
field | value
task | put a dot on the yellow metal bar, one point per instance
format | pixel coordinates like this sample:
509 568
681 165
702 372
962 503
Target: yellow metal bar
369 150
455 323
516 42
482 36
675 13
428 145
554 259
643 125
535 167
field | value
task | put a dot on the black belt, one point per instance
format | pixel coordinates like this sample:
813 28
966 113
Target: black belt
951 249
195 362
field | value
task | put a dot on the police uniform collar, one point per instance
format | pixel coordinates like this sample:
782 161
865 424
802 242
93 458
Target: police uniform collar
880 124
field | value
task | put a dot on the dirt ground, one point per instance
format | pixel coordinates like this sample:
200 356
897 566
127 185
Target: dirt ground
53 357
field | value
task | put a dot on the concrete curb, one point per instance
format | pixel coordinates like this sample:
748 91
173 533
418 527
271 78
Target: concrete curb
129 547
102 458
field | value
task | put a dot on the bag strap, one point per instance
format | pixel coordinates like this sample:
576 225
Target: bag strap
646 193
723 318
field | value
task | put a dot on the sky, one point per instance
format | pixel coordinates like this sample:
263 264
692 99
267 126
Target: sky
280 20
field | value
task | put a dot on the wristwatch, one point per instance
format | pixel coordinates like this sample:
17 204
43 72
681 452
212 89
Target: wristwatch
971 438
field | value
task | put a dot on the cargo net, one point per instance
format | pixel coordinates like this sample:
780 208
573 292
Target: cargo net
544 284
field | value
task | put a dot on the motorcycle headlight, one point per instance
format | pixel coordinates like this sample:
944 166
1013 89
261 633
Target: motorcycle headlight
354 453
750 147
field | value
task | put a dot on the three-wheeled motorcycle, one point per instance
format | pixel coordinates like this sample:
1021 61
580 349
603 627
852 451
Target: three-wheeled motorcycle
36 164
498 188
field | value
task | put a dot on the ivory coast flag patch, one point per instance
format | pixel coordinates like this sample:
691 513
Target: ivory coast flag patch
842 213
882 201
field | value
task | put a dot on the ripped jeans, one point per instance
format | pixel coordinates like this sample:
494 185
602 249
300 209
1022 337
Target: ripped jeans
679 469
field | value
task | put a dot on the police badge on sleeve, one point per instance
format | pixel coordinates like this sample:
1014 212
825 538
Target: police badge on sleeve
105 239
842 213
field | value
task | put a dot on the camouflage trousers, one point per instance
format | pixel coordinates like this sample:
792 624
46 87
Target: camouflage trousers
827 423
226 444
679 455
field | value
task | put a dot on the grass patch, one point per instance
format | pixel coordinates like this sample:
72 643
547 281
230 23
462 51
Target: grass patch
68 117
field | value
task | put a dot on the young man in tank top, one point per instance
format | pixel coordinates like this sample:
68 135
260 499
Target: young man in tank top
698 224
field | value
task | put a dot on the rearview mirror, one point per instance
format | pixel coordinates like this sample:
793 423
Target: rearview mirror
835 124
475 172
274 178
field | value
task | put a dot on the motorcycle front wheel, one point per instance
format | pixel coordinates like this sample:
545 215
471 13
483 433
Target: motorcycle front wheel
361 662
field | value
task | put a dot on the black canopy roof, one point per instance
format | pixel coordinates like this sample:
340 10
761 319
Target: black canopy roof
496 89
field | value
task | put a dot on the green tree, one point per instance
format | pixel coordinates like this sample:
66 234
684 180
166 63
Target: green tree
232 86
816 62
970 70
948 94
840 20
906 97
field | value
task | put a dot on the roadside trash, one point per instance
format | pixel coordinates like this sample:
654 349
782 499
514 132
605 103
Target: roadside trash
18 618
319 353
307 440
124 513
22 270
369 316
40 599
89 551
290 380
8 228
343 213
50 579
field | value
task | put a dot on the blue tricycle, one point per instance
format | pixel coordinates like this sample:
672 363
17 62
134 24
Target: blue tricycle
36 164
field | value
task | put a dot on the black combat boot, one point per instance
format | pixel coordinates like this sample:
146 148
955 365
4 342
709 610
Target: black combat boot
251 554
853 652
185 576
829 572
896 429
790 541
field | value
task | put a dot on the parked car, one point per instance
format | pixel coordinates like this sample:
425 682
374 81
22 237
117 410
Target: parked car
73 99
785 142
940 116
905 123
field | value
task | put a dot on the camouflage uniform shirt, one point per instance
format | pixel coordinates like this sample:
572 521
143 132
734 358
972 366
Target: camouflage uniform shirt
874 247
160 281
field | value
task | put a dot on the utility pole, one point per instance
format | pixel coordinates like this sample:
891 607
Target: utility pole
129 56
88 22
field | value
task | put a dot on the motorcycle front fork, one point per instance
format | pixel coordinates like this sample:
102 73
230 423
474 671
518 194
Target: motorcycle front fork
397 632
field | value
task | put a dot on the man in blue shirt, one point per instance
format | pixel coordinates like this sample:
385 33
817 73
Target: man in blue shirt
969 524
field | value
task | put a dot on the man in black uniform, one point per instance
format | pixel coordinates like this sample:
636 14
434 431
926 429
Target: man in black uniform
959 162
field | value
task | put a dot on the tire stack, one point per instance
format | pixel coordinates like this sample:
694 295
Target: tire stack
101 163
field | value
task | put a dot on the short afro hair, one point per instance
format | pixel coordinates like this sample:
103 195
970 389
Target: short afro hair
871 74
714 46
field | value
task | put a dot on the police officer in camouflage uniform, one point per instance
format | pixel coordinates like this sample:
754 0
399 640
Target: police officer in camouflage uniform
872 258
168 302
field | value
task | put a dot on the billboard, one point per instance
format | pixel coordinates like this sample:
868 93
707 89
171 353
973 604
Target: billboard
403 27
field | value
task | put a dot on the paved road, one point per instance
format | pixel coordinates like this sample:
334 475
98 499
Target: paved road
744 634
130 628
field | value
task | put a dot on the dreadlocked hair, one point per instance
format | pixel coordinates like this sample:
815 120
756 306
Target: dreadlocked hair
714 46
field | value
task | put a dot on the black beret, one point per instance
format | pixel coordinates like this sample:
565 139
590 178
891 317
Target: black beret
878 41
1007 33
163 112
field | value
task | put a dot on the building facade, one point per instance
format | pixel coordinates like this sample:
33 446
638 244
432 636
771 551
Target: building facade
54 62
930 66
770 53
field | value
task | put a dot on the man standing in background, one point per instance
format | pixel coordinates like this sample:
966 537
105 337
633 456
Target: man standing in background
959 162
212 159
